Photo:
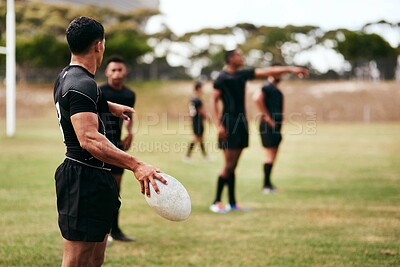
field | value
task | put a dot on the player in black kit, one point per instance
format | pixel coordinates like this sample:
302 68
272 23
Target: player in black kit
198 115
115 91
233 136
270 102
87 195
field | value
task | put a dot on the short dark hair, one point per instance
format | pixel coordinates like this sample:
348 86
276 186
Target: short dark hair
228 55
115 58
82 32
197 85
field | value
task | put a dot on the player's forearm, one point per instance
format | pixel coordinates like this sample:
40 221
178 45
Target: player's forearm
275 70
120 111
101 148
111 106
129 126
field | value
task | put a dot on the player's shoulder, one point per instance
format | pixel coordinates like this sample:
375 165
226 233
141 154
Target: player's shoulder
79 80
268 86
128 91
104 87
246 71
222 75
220 80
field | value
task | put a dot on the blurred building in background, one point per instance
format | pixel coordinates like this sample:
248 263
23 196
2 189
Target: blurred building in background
120 5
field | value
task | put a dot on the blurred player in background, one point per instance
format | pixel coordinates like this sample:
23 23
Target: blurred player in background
233 136
270 102
115 91
198 115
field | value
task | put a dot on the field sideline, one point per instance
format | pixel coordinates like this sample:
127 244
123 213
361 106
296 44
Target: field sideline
340 205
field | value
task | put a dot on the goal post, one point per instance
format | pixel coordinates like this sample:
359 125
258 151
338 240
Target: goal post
9 51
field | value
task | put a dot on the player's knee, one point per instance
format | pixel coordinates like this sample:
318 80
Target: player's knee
229 170
97 260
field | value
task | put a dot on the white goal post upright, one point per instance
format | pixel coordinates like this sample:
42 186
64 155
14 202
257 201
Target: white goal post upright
9 50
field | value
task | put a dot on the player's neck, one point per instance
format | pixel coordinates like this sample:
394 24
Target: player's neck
85 61
231 68
114 86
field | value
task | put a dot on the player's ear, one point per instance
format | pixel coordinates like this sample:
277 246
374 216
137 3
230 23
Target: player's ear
99 46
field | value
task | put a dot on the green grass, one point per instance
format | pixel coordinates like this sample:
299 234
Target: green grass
340 205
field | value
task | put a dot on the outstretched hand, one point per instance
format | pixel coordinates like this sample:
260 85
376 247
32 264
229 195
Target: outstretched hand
146 175
300 72
120 111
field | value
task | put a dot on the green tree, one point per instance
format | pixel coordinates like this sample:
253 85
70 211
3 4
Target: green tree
127 44
360 48
29 51
40 30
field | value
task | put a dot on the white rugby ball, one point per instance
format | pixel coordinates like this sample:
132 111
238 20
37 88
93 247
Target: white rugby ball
173 202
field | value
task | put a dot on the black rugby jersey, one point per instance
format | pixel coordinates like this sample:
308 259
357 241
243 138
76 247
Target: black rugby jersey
273 101
194 105
75 91
232 87
114 124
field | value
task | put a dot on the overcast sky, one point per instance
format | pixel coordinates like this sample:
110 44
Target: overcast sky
191 15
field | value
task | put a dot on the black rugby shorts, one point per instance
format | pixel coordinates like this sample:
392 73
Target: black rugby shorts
238 133
87 201
270 137
198 127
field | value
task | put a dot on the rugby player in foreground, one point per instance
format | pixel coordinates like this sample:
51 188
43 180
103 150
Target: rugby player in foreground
87 194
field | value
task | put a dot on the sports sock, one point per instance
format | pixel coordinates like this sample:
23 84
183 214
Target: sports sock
220 187
203 150
191 146
267 174
231 189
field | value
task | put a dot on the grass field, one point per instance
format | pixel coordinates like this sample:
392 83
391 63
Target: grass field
340 205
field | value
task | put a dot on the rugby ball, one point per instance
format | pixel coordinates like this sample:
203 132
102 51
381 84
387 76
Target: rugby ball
173 202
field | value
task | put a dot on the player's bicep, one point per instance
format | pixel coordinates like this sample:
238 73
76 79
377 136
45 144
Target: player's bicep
85 126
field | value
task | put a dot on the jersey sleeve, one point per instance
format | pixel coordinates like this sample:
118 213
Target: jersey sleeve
218 83
80 103
83 97
266 89
249 74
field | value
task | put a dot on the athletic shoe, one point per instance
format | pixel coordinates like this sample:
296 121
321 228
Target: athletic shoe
120 236
269 190
236 207
217 207
109 241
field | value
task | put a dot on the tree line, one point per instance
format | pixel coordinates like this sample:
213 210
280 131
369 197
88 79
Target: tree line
41 44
